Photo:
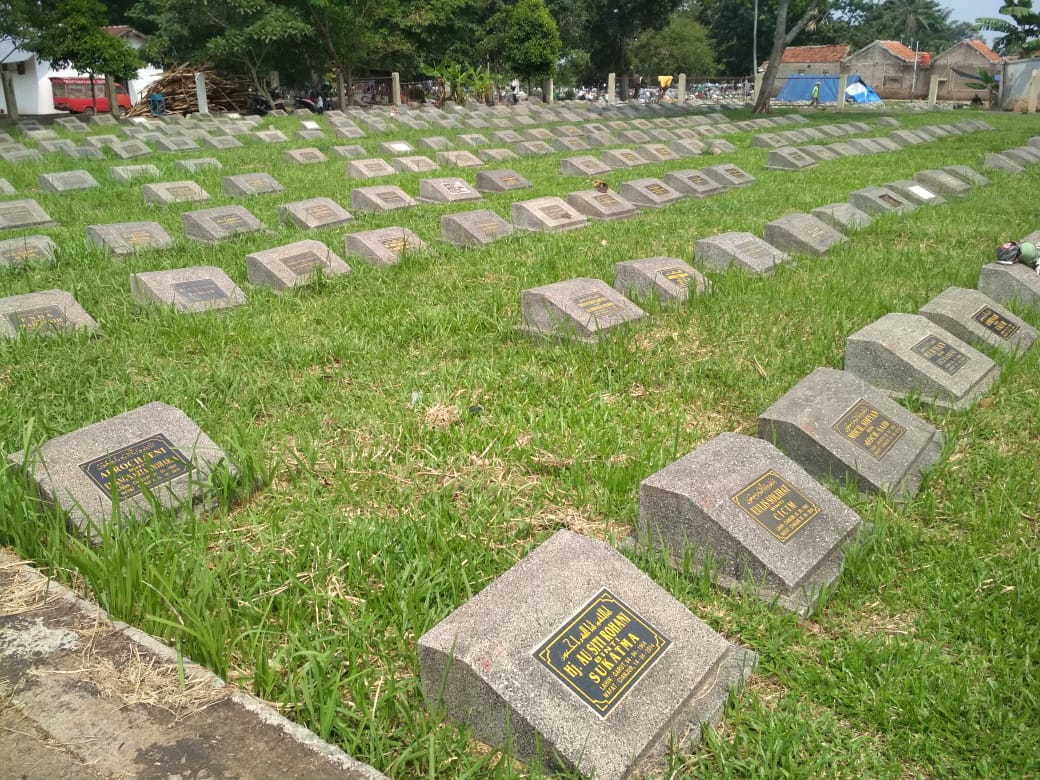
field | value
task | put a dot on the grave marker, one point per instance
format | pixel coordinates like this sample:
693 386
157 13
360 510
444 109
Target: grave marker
879 200
414 164
668 279
396 148
6 188
967 175
446 190
761 519
977 319
217 224
524 662
46 313
842 216
126 238
580 309
622 158
271 136
436 143
548 214
306 156
729 175
538 148
247 184
1008 283
193 289
459 159
942 182
23 214
26 249
154 453
472 139
497 155
693 182
1001 162
380 198
126 150
687 147
293 265
474 228
175 144
601 205
166 192
350 152
914 193
743 250
649 193
198 164
906 355
583 165
20 156
382 247
369 169
127 173
66 181
501 180
818 153
799 233
788 158
314 213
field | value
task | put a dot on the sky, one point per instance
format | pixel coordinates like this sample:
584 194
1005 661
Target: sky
970 10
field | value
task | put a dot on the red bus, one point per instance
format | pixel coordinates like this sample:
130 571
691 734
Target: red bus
73 94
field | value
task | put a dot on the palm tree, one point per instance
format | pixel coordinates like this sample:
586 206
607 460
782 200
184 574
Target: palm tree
1019 35
908 19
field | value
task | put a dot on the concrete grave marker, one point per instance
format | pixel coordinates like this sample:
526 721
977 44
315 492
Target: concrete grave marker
175 144
474 228
152 453
6 188
567 144
198 164
977 319
501 180
548 214
507 137
535 148
584 165
593 666
788 158
248 184
351 152
649 193
384 246
865 146
668 279
62 145
835 425
472 139
1001 162
293 265
742 250
414 164
193 289
687 147
126 150
271 136
66 181
622 158
20 156
728 175
693 182
538 134
128 237
314 213
1008 283
369 169
167 192
601 205
1024 156
657 153
217 224
306 156
914 193
580 309
818 152
23 214
436 143
800 233
396 148
46 313
380 198
907 355
127 173
459 159
842 216
26 249
879 200
496 155
760 518
446 190
967 175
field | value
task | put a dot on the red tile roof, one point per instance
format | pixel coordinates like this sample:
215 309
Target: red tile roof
904 53
984 50
816 53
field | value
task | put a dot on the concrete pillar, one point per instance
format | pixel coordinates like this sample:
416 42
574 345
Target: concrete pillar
110 93
933 90
200 91
611 85
843 82
9 97
395 88
682 88
547 91
1034 92
758 84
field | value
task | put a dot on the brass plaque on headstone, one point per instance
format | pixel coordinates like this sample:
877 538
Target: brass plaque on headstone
680 277
22 254
302 263
555 212
602 652
457 188
230 221
320 211
629 157
595 303
736 173
42 318
16 214
394 244
199 291
776 505
814 231
940 354
181 192
697 179
510 180
752 250
657 190
137 237
889 200
865 426
993 322
390 197
605 200
133 469
374 167
489 228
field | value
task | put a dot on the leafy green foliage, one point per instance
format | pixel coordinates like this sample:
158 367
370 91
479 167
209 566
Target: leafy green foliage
988 82
70 36
681 47
526 40
1021 34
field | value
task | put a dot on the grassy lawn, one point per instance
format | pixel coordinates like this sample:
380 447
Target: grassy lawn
412 447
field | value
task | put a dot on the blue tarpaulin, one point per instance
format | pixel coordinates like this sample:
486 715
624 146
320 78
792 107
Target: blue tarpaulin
798 89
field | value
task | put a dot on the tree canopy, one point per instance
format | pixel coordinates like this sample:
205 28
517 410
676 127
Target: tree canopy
1020 34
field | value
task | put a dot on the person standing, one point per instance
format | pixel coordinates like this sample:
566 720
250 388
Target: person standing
815 101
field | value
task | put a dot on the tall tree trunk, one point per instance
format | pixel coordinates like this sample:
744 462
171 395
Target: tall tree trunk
9 96
93 91
781 40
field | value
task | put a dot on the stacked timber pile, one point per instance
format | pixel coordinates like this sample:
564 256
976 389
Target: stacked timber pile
223 93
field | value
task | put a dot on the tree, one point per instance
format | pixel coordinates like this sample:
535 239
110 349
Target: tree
782 38
1018 36
15 28
527 39
988 82
911 20
614 24
681 47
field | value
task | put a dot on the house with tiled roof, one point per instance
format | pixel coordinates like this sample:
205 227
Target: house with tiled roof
895 71
960 65
809 60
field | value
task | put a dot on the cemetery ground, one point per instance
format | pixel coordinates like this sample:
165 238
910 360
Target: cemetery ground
399 445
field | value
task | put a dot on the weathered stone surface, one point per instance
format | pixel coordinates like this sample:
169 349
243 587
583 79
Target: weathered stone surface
248 184
314 213
192 289
127 173
166 192
649 193
728 175
788 158
414 164
743 250
977 319
583 165
668 279
1008 283
914 193
198 164
843 217
67 181
907 356
836 426
293 265
459 159
762 521
126 238
219 223
46 313
799 233
380 198
175 144
623 158
26 249
966 174
549 214
580 309
384 246
126 150
396 148
369 169
879 200
447 189
670 671
308 155
501 180
23 214
1001 162
693 182
533 148
474 228
601 205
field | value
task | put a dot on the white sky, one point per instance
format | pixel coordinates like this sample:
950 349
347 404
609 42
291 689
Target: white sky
970 10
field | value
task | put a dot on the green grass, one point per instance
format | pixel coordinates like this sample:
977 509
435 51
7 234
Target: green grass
413 447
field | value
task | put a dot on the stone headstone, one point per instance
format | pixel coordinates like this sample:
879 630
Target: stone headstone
166 192
622 158
414 164
224 142
879 200
1008 283
396 148
755 516
46 313
967 175
799 233
193 289
126 150
531 148
175 144
843 217
351 152
865 146
668 279
977 319
217 224
271 136
818 152
550 214
369 169
906 355
693 182
501 180
436 143
576 658
1001 162
380 198
306 156
914 193
6 188
584 165
293 265
446 190
580 309
649 193
472 139
384 246
835 425
314 213
687 147
1024 156
496 155
66 181
768 141
61 145
248 184
129 237
887 144
507 137
151 455
538 134
127 173
459 159
942 183
788 158
601 205
21 156
474 228
567 144
728 175
907 137
25 249
197 164
23 214
741 250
